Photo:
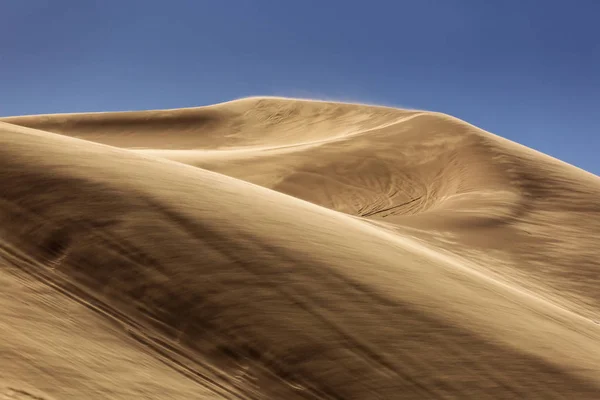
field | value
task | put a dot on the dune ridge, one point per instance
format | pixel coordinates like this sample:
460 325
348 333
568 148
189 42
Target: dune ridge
285 248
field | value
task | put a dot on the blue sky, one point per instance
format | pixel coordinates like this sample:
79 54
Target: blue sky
528 70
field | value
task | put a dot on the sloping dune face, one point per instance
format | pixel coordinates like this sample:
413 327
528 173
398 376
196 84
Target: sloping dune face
277 249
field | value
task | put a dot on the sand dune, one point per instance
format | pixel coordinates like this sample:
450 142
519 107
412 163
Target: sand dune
273 248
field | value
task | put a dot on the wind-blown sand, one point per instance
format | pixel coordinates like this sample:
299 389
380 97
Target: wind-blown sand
272 248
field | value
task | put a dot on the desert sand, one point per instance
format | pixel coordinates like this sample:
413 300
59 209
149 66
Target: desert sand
272 248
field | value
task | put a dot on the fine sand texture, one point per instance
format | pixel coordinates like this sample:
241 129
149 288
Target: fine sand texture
274 248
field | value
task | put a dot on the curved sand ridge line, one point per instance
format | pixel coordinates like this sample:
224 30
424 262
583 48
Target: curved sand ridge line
286 299
368 161
240 123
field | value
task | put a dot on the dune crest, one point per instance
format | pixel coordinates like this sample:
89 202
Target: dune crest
284 248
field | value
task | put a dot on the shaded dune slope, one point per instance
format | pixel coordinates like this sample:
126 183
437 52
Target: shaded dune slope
54 347
264 295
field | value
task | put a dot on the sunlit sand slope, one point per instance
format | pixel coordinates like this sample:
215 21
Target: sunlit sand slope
341 251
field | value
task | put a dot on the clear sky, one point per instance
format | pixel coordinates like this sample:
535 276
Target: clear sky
528 70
